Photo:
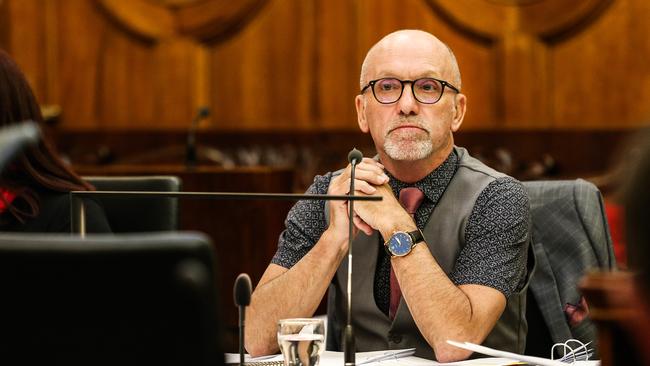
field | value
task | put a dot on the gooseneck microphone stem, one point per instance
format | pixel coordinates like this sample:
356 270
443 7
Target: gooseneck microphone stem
191 158
354 157
242 317
350 236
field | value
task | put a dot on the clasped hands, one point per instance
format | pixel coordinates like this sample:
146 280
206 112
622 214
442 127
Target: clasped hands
385 216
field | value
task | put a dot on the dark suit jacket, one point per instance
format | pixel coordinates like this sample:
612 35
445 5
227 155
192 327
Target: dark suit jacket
570 236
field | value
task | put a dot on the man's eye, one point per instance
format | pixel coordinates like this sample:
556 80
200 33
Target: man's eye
429 86
388 86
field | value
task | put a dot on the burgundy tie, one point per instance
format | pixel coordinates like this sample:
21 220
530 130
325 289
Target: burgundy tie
410 198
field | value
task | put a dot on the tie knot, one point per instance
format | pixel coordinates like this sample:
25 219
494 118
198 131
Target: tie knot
411 198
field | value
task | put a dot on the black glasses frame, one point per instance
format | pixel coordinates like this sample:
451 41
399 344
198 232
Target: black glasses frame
371 85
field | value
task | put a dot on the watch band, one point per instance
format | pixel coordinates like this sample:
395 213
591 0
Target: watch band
416 236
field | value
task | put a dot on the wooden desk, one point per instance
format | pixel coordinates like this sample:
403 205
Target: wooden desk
244 233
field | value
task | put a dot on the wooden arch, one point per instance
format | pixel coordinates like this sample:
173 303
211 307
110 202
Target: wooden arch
203 20
521 35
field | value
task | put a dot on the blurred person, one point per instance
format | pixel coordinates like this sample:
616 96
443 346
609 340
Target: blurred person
455 270
34 187
636 203
621 299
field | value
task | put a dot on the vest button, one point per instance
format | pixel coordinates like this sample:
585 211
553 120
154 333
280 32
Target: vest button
395 338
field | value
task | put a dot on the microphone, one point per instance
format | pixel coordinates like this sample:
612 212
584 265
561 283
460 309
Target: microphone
354 157
15 138
190 148
242 294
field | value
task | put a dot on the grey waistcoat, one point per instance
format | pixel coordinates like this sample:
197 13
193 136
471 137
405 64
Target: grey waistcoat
373 329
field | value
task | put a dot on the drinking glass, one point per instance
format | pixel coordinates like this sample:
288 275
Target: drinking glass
301 341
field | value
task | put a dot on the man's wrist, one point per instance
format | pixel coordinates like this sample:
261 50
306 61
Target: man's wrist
406 225
335 241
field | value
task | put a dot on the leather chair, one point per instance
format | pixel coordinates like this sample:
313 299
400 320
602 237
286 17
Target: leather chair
108 299
570 236
133 214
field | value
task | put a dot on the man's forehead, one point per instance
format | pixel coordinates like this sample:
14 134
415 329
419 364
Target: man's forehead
410 42
408 62
401 70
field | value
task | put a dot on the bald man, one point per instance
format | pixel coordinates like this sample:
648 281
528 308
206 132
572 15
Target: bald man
455 270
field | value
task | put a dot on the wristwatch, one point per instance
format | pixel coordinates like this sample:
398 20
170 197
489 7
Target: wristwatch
401 242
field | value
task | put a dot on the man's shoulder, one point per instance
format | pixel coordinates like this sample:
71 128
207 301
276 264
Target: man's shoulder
506 188
473 165
499 188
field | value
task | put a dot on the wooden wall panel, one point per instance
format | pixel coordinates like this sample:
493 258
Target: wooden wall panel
79 66
263 77
4 20
479 83
337 64
115 80
26 42
293 64
601 76
521 38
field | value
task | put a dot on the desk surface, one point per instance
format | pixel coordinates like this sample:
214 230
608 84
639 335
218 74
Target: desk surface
330 358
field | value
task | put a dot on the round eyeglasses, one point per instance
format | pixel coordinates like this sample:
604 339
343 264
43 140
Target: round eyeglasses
425 90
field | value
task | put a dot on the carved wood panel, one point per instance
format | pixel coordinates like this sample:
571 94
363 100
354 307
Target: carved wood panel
522 36
293 64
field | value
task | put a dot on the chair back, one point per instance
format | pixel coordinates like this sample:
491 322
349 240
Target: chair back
108 299
570 236
133 214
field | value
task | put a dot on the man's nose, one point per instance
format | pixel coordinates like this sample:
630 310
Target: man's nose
407 103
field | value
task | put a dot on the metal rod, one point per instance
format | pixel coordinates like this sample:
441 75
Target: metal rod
228 195
78 216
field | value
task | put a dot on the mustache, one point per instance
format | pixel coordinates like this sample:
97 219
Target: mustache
416 121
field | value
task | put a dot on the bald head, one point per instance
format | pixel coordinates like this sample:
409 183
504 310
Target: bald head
407 43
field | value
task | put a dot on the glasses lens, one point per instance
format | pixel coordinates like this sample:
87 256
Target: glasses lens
387 90
427 90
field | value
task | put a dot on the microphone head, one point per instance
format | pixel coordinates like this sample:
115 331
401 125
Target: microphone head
355 155
242 290
203 112
15 138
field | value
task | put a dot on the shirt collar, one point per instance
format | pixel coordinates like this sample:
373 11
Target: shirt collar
435 183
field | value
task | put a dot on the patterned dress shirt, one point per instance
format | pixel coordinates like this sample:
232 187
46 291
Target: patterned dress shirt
494 254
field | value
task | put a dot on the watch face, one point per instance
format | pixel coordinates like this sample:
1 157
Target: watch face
400 243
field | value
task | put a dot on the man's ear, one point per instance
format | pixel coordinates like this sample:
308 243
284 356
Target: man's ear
360 103
460 106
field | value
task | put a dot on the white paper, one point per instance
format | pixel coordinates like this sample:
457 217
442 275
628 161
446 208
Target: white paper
515 356
362 358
